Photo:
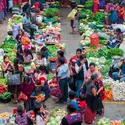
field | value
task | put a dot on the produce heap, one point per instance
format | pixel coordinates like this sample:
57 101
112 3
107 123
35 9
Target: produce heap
55 116
107 121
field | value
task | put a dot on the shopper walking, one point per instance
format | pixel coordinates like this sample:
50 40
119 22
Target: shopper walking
62 76
72 70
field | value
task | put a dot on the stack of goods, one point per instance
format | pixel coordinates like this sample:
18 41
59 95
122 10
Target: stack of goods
5 97
14 19
54 4
55 116
108 95
49 34
9 47
89 4
118 90
107 121
51 15
106 56
4 117
114 90
52 50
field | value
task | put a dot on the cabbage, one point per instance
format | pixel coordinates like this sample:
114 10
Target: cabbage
48 123
52 118
104 121
58 119
53 122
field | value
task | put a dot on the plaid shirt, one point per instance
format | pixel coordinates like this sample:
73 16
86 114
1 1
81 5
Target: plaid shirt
21 120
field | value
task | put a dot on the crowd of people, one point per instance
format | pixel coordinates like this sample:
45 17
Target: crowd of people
83 78
86 83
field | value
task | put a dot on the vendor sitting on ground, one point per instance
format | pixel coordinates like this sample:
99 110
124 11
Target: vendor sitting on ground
115 42
121 74
25 41
27 25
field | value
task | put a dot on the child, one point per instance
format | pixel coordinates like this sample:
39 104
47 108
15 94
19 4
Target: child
38 97
72 99
82 103
1 12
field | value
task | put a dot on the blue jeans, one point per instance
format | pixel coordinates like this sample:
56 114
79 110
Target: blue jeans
115 77
78 87
64 88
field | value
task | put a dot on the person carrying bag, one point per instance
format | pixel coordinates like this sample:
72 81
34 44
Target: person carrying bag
14 79
93 100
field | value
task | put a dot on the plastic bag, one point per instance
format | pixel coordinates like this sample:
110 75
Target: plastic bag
40 98
22 97
55 89
72 14
120 26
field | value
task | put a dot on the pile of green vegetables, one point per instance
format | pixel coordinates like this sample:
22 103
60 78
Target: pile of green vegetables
99 17
106 67
107 53
52 50
54 5
17 19
6 95
51 12
123 122
3 81
50 76
9 46
84 12
108 87
89 4
54 19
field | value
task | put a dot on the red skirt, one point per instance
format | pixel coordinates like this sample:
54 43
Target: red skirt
89 115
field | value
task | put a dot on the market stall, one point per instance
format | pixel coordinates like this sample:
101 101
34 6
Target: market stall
55 116
94 38
47 35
